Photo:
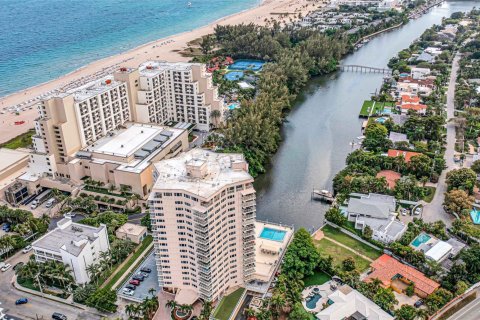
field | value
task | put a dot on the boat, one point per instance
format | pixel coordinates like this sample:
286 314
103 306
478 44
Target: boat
189 4
323 195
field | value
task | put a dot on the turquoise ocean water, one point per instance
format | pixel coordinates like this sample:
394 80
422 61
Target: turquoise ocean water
41 40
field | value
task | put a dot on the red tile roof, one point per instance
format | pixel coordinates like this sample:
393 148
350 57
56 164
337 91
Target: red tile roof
408 99
390 176
406 154
415 107
386 267
421 82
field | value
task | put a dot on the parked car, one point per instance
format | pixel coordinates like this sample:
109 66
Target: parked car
21 301
134 282
50 203
404 212
27 249
138 277
143 274
146 270
6 267
131 287
59 316
70 214
417 211
418 304
18 265
6 226
34 204
128 292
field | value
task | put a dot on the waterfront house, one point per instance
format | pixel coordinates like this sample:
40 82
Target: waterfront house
391 176
433 248
426 57
347 303
419 73
406 154
397 137
398 276
378 212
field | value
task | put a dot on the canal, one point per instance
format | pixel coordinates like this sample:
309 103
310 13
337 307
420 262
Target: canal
318 132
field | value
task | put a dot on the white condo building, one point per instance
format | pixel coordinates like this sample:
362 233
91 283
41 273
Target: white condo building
76 245
203 210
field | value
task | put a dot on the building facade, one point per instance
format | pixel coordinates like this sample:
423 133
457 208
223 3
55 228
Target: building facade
73 244
203 222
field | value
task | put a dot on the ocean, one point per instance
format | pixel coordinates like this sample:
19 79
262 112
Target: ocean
41 40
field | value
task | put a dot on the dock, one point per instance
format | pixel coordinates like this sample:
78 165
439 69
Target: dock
323 195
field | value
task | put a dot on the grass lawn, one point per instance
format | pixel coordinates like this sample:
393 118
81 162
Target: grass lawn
339 254
120 273
365 111
22 141
227 304
430 194
378 108
319 277
351 242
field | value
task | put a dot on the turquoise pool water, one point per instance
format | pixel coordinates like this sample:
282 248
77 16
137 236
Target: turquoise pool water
311 302
254 65
234 76
422 238
273 234
475 215
233 106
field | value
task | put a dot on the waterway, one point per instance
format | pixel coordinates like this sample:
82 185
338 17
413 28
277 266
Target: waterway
318 132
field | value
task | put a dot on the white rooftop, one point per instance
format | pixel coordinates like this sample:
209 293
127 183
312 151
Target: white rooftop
439 251
219 173
93 88
126 142
153 67
10 157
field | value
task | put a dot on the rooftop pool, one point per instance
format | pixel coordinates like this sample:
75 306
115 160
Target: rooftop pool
273 234
420 239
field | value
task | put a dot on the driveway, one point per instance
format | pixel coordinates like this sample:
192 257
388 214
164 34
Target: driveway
37 307
434 211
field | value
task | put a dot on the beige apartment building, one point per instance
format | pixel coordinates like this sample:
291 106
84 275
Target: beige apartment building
73 125
203 209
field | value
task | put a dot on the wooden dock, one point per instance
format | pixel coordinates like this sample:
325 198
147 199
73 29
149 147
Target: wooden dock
323 195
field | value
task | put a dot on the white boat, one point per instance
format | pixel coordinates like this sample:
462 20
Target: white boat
189 4
361 137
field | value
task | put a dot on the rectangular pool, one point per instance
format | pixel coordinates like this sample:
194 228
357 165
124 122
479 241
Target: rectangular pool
422 238
273 234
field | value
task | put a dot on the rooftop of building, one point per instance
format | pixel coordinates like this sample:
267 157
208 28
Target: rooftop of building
385 268
69 236
374 205
391 176
11 157
218 170
406 154
390 227
397 137
132 229
140 141
152 68
347 303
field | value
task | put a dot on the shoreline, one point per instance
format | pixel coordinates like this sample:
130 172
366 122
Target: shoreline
166 48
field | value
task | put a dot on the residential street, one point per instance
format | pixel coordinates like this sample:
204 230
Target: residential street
469 312
36 306
434 210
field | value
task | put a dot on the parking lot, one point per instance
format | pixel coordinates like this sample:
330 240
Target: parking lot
141 292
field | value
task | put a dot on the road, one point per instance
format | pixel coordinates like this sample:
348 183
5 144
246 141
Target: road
469 312
434 210
36 306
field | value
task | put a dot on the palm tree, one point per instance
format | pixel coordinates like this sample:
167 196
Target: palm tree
206 310
215 114
171 304
31 270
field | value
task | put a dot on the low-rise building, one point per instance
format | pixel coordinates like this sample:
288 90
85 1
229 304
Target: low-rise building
419 73
433 248
13 164
133 232
378 212
73 244
398 276
402 153
347 303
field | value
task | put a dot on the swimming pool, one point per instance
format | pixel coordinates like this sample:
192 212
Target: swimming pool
311 302
273 234
422 238
387 110
234 75
233 106
475 215
254 65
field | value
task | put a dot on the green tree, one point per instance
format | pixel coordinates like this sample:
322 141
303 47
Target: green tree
335 216
458 201
298 313
348 264
376 137
301 257
103 300
385 298
463 179
476 166
420 166
367 232
406 312
437 300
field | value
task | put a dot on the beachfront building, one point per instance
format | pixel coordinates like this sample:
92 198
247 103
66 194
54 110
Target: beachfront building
76 245
182 92
378 211
202 209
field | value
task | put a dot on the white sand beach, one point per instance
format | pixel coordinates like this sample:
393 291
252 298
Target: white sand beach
162 49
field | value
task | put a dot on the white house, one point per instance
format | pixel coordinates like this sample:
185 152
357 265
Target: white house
420 73
347 303
74 244
378 212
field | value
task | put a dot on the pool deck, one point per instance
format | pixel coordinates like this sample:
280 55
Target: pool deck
324 291
268 253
